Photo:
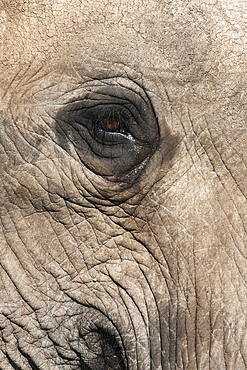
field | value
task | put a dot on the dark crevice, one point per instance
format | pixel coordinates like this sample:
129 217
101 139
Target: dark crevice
29 359
12 363
111 357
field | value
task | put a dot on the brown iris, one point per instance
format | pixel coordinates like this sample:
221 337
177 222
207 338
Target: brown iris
109 125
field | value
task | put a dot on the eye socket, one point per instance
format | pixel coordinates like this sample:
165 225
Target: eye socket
113 129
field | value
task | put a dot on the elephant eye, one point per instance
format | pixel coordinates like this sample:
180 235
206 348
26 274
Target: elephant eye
113 129
108 119
110 122
109 125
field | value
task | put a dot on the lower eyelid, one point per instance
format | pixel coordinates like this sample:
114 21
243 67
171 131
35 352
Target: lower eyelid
112 136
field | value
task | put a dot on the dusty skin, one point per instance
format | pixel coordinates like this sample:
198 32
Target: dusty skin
123 189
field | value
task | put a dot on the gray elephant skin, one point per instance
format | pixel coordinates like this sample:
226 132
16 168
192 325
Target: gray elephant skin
123 185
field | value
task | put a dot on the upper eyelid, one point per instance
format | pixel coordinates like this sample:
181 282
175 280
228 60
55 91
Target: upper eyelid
120 106
94 106
110 97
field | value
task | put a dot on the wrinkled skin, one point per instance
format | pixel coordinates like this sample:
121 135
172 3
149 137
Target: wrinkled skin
129 255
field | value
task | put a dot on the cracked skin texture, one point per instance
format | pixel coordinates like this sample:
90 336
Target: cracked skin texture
149 272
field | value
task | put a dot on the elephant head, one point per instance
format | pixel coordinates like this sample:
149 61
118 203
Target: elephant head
123 185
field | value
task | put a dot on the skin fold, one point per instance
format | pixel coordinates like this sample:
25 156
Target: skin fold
123 227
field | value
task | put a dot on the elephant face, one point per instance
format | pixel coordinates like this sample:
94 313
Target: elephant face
123 185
